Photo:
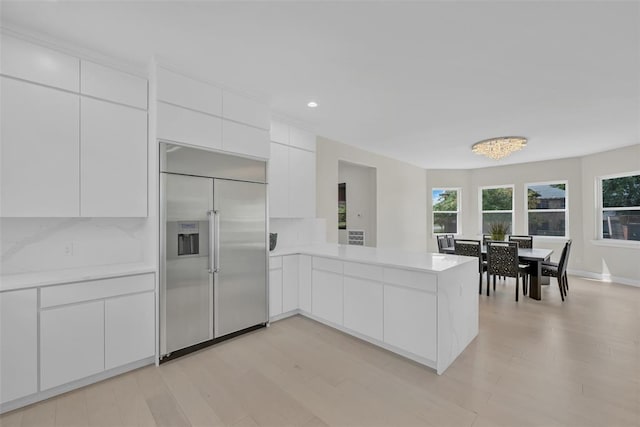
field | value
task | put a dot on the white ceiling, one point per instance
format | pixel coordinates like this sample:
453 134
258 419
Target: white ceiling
418 81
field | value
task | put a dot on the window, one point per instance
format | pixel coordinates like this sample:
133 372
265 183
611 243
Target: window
497 207
445 210
547 209
342 206
620 207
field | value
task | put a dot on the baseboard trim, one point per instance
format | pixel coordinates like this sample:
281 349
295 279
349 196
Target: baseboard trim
607 278
46 394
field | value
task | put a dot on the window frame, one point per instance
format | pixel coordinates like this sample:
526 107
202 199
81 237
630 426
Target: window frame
599 229
482 211
565 210
457 211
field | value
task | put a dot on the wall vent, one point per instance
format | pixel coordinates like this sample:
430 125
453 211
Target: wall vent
356 237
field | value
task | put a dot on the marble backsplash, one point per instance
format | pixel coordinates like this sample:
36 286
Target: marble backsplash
42 244
298 231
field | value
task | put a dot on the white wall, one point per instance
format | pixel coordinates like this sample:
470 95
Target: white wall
400 196
587 257
361 200
43 244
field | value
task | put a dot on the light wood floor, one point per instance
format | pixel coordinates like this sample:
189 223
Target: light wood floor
534 363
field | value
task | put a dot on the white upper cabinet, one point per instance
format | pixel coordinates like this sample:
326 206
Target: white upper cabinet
191 127
113 85
113 179
39 64
242 139
302 183
302 139
279 181
177 89
292 172
245 110
279 132
40 151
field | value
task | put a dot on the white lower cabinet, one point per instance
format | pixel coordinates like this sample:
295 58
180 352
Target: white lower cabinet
304 283
410 321
275 292
290 277
363 307
18 344
129 329
327 295
71 343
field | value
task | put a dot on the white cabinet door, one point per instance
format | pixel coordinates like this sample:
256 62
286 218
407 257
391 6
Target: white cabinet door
279 181
39 64
410 320
245 110
275 292
40 151
242 139
302 139
71 343
363 307
18 344
302 180
191 127
107 83
279 132
177 89
304 283
327 296
129 329
113 144
290 277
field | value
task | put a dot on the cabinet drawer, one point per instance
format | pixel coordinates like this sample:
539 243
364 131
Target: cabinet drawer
182 125
39 64
365 271
275 262
245 110
412 279
327 264
97 289
113 85
181 90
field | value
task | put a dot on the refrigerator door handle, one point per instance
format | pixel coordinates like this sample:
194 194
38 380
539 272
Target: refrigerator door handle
212 237
216 258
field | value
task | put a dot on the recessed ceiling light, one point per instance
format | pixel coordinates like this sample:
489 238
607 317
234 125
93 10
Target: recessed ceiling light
312 104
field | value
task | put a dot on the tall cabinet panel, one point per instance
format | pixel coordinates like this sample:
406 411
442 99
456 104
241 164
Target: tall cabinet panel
18 344
279 181
40 150
113 160
302 173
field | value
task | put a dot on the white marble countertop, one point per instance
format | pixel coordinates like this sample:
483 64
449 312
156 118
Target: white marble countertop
56 277
421 261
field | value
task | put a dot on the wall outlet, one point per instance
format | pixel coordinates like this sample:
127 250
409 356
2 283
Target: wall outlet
68 249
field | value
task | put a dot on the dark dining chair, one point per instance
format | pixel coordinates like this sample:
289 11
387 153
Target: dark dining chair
524 242
472 248
502 260
559 270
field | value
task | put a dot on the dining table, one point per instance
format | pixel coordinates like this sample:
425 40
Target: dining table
532 256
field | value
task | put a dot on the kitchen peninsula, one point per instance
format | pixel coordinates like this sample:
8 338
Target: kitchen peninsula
423 306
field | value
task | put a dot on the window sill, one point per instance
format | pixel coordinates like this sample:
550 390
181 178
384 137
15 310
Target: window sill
614 243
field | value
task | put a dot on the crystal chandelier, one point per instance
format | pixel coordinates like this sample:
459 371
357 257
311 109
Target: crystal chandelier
497 148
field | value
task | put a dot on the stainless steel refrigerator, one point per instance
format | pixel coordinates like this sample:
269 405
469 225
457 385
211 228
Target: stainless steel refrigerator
213 239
